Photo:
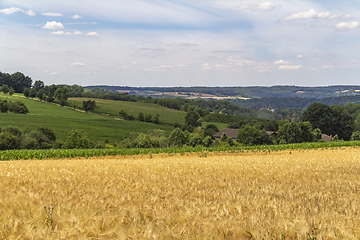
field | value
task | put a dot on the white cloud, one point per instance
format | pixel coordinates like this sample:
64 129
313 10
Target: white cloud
306 15
53 25
92 33
58 33
312 14
347 25
265 6
327 67
13 10
10 10
66 33
78 64
30 13
55 73
281 62
76 17
52 14
299 56
298 67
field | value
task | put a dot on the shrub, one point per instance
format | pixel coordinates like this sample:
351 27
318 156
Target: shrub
249 135
195 141
143 141
148 118
177 137
8 141
355 136
77 139
18 107
207 141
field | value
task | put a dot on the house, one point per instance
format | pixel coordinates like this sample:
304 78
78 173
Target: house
272 134
326 137
233 133
229 132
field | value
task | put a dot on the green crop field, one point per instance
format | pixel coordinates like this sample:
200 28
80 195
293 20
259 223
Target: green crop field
62 120
112 108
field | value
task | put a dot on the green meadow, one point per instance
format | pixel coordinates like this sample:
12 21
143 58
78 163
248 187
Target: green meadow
63 119
111 107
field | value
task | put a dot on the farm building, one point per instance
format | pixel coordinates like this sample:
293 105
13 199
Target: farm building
233 133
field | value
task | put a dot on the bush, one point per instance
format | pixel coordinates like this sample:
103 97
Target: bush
249 135
29 143
355 136
148 118
77 139
48 132
177 137
143 141
207 141
18 107
141 117
8 141
195 141
4 106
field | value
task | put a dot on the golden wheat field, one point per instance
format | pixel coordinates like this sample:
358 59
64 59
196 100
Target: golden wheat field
306 194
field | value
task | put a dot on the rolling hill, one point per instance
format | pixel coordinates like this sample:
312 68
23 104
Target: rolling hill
63 119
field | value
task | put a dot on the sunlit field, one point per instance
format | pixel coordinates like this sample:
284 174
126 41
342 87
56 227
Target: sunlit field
302 194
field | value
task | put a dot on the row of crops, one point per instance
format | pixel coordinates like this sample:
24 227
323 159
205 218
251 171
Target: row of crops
86 153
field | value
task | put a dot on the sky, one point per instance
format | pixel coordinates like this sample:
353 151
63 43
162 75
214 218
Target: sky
144 43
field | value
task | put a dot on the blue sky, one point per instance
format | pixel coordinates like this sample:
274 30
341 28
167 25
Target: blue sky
182 43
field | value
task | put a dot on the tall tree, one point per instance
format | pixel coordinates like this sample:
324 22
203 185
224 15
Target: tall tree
19 81
334 120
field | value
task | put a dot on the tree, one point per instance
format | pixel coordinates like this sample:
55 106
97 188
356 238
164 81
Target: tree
33 93
27 92
148 117
249 135
211 130
290 133
3 106
156 119
18 107
5 89
18 81
355 136
207 141
48 132
123 114
141 117
143 141
62 94
11 91
8 141
195 141
320 116
77 139
38 85
177 137
89 105
192 119
334 120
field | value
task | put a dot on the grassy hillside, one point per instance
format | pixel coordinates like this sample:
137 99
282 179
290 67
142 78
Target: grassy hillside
134 108
62 120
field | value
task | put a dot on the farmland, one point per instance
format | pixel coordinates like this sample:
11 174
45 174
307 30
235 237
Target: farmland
113 107
62 120
294 194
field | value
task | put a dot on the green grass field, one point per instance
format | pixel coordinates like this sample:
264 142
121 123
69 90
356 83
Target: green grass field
112 108
62 120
